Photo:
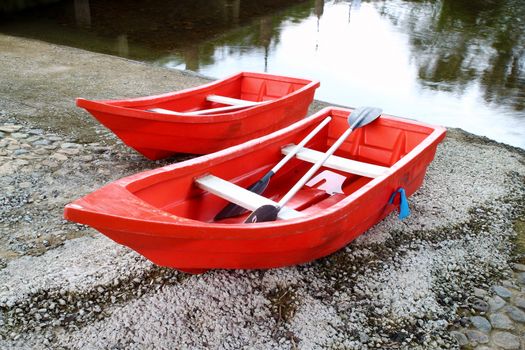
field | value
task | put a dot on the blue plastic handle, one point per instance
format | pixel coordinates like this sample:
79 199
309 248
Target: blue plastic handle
404 210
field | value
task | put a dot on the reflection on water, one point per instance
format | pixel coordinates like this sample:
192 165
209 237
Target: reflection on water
453 62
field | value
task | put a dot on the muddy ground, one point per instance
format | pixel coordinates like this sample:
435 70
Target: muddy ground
434 280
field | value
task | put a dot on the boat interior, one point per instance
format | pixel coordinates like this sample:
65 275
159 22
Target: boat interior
368 153
242 91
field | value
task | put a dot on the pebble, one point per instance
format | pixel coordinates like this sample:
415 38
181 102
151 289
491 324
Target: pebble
460 337
496 303
502 292
54 138
521 277
10 128
86 158
481 323
477 336
25 184
32 138
480 293
50 163
519 267
1 134
506 340
70 151
19 135
70 145
520 302
41 142
501 321
516 314
35 131
480 305
59 156
20 151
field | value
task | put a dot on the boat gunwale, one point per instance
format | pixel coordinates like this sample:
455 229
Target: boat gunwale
113 107
186 228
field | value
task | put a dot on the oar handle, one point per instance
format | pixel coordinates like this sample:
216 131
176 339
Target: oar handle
314 168
301 144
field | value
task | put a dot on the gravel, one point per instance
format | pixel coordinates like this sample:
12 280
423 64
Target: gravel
399 285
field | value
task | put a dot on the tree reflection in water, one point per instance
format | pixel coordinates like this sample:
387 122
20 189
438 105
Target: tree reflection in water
457 42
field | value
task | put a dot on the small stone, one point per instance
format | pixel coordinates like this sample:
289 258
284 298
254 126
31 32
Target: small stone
32 139
70 145
35 131
1 134
50 163
519 267
41 142
59 156
480 305
54 138
501 321
480 293
460 337
25 184
520 302
496 303
477 336
516 314
70 151
10 128
62 302
97 309
100 289
20 151
509 284
502 292
481 323
521 277
506 340
19 135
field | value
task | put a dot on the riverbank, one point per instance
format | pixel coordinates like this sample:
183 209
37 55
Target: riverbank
410 284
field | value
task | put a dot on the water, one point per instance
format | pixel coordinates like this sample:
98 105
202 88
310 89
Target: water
457 63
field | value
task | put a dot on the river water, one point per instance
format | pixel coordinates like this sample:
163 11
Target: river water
457 63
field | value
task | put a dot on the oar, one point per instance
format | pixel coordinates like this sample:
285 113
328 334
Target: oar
258 187
358 118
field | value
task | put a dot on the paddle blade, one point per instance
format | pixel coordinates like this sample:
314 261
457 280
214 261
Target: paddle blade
232 209
265 213
362 116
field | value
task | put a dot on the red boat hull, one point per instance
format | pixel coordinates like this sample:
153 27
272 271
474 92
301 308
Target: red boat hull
162 215
158 135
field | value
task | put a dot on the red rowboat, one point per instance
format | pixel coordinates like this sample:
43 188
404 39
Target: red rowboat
167 214
207 118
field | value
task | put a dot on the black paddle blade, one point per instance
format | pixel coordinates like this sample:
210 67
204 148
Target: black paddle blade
232 209
265 213
362 116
